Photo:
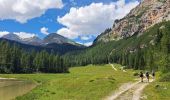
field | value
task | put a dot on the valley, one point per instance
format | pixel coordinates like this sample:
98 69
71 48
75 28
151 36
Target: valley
92 82
72 61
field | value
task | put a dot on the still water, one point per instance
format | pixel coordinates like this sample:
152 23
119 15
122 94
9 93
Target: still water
10 88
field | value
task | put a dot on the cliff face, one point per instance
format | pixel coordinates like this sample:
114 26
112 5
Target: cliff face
145 15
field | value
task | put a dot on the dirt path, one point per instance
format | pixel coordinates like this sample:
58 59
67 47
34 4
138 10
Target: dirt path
129 91
113 67
5 78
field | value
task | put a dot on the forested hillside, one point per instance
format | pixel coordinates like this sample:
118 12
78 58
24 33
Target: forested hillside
56 48
14 59
150 50
140 40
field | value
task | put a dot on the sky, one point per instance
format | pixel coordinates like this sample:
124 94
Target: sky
79 20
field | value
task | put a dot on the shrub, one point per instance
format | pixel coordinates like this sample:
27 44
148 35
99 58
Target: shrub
165 78
135 74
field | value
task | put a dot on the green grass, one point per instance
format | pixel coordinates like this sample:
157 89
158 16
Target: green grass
82 83
157 90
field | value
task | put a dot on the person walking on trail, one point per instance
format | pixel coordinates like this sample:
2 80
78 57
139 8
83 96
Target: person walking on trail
141 76
153 74
147 76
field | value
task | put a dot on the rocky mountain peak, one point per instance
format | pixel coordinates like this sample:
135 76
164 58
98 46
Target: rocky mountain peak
32 40
56 38
52 38
142 17
12 36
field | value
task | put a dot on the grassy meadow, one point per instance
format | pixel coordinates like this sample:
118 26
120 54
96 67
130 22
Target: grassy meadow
82 83
159 89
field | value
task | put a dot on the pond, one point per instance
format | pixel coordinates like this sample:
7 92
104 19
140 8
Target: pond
11 88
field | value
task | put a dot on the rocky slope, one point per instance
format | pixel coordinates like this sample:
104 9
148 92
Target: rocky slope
52 38
56 38
32 40
145 15
52 42
12 36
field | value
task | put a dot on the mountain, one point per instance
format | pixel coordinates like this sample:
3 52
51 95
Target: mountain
12 36
52 38
53 42
138 52
24 46
141 40
53 47
33 40
145 15
56 38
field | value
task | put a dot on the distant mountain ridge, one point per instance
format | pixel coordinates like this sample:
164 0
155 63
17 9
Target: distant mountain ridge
145 15
55 48
52 42
31 40
12 36
49 39
56 38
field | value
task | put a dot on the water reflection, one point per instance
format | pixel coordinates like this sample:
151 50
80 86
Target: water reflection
9 89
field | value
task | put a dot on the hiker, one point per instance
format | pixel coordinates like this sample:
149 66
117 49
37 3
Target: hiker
153 74
141 76
147 76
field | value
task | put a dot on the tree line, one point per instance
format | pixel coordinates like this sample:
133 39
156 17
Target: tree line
14 59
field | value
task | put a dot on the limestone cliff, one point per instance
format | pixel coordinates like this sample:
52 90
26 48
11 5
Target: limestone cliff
145 15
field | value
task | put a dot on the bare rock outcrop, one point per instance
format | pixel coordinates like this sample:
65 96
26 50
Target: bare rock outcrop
145 15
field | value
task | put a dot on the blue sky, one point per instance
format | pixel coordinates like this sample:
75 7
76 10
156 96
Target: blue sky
79 20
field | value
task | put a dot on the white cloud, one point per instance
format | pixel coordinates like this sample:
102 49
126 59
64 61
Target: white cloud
85 38
23 10
24 35
88 43
2 33
67 33
44 30
93 19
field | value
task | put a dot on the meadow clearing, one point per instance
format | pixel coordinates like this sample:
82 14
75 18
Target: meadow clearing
92 82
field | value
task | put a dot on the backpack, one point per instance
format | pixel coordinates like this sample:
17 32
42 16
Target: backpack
147 74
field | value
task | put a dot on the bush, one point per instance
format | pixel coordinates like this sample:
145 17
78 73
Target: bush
135 74
165 78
